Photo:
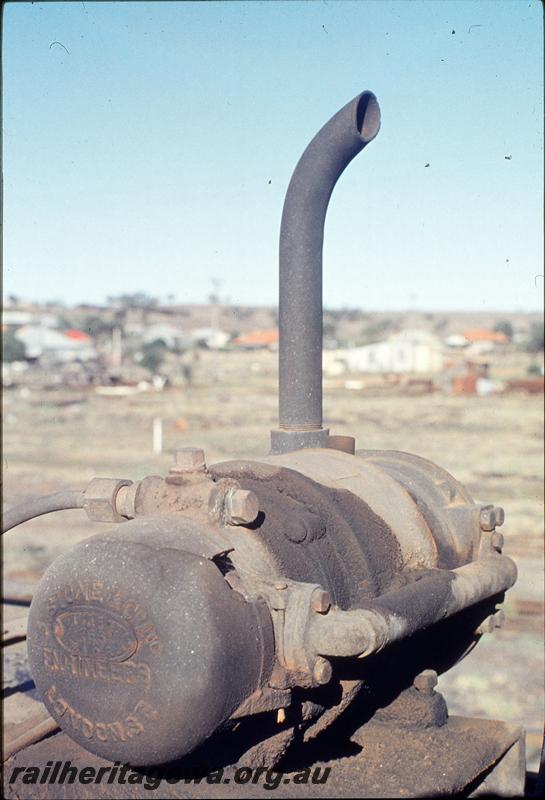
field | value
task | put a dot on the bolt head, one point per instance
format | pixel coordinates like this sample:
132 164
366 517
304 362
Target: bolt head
500 516
487 518
496 540
320 601
187 459
322 671
241 507
426 681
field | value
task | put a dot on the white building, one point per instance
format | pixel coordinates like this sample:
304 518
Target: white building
408 351
213 338
12 318
173 337
48 344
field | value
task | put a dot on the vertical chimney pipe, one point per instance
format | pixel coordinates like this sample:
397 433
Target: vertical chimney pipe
301 243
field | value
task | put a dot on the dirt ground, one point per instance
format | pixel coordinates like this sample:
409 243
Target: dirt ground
494 445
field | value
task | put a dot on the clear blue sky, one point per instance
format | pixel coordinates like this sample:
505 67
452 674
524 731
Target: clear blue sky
154 155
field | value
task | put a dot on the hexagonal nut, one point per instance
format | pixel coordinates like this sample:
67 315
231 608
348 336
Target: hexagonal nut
322 671
187 459
320 601
487 518
241 507
426 681
100 499
496 540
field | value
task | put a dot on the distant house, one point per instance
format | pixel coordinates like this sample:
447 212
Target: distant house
173 337
213 338
477 341
474 335
408 351
77 336
45 344
255 340
456 340
13 318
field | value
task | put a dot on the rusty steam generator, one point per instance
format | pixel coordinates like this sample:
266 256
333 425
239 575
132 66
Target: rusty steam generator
232 613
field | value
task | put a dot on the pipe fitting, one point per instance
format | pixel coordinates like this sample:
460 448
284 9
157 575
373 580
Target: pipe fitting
100 499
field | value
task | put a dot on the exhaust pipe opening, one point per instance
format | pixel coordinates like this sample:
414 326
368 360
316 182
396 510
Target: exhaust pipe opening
368 117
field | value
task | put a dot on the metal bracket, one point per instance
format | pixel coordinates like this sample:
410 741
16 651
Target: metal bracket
291 605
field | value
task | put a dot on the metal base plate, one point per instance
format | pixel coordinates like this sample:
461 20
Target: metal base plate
466 757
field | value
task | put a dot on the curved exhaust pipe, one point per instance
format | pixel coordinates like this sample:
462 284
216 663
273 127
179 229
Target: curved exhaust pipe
301 242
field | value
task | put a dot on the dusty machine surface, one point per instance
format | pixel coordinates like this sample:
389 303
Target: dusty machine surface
283 612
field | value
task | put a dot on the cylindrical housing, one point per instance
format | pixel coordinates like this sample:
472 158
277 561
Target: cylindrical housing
139 648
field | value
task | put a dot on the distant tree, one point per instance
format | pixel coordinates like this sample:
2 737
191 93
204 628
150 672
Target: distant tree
376 331
505 327
134 300
153 355
97 327
352 314
12 348
535 339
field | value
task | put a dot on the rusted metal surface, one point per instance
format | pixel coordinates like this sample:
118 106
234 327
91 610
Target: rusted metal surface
241 507
398 614
100 499
445 504
187 490
418 707
120 662
139 648
145 641
301 242
315 533
464 757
